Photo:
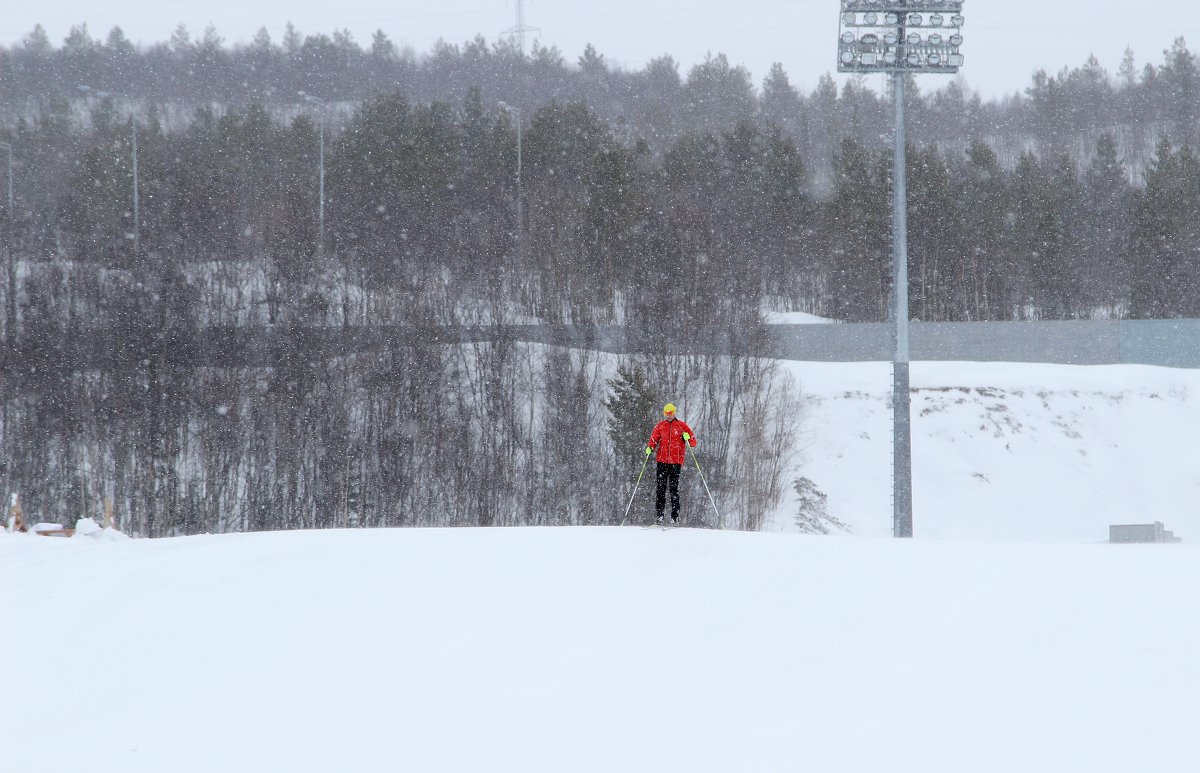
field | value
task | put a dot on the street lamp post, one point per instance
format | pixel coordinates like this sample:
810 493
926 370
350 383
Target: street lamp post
900 38
8 149
10 301
321 170
515 112
137 226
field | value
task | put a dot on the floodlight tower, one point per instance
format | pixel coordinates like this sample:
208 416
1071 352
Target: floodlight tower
900 38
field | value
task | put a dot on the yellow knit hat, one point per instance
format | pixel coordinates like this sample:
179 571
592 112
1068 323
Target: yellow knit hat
668 409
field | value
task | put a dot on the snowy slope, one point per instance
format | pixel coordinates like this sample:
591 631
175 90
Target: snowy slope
971 648
593 649
1007 451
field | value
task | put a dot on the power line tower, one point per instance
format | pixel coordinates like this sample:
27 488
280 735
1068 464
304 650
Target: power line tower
518 32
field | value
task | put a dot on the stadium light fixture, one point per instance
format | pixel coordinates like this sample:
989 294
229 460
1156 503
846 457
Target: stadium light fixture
874 37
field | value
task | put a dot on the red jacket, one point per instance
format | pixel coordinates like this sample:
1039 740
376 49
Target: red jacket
668 438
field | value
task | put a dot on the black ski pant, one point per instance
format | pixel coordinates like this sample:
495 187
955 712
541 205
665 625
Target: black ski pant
667 475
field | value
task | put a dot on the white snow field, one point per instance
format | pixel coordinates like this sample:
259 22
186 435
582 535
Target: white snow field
1006 451
1006 637
595 649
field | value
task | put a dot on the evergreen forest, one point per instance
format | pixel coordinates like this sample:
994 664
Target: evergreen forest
166 333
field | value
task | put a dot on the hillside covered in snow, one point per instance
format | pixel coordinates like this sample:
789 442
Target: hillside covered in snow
1016 452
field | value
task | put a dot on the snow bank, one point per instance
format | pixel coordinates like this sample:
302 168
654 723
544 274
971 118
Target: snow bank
87 527
793 318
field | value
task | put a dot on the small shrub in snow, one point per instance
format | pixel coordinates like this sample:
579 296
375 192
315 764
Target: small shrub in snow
813 515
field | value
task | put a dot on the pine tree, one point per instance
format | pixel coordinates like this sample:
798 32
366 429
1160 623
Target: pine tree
718 94
632 408
781 103
1181 83
613 213
1039 206
1166 236
859 268
983 212
1104 228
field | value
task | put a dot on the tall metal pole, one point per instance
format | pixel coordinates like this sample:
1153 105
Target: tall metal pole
902 522
321 187
137 227
7 147
10 300
520 193
320 103
10 295
520 28
518 32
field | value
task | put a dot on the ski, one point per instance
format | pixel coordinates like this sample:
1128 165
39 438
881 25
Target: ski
662 526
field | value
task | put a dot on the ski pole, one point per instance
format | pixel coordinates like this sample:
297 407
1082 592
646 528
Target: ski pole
635 488
720 522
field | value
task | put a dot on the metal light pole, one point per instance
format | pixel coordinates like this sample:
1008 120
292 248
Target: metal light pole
878 36
8 149
10 304
902 525
137 226
516 113
321 173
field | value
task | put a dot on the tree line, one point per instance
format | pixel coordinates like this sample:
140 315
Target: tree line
422 230
1058 112
684 232
712 228
417 432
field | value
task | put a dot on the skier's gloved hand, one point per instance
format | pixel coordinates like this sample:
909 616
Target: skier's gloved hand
686 436
649 450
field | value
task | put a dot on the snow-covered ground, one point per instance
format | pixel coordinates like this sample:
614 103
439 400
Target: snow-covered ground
1006 637
1007 451
793 318
595 649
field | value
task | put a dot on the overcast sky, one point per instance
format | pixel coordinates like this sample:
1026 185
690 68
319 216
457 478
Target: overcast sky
1005 40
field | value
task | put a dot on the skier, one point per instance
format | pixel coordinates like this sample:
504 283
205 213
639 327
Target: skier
668 437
